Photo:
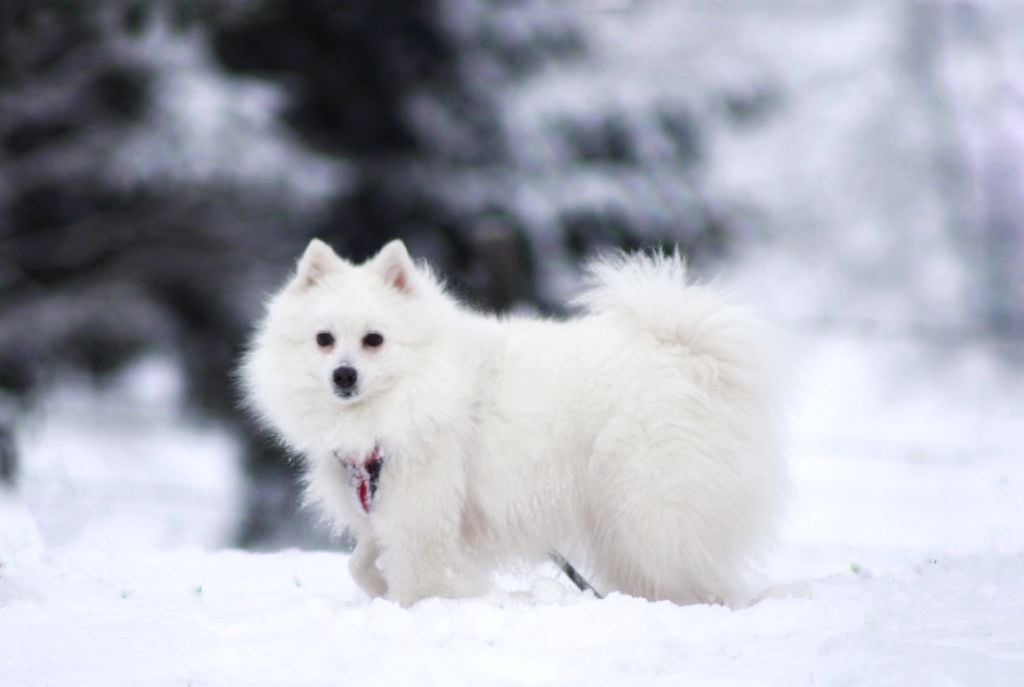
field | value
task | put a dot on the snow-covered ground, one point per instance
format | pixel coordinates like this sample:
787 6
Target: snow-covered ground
902 562
231 618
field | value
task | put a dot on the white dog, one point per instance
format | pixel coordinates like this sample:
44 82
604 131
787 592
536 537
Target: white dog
639 439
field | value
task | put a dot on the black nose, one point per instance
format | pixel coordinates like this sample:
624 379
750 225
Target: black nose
345 377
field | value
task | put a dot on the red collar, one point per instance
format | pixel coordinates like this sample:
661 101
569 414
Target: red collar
364 476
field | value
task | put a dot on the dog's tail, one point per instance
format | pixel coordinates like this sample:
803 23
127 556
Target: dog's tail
651 292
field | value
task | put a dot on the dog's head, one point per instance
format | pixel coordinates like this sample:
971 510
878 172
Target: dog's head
340 335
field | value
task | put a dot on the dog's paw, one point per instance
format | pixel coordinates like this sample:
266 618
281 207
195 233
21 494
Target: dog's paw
375 586
364 570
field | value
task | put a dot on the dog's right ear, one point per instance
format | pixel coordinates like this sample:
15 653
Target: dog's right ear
316 262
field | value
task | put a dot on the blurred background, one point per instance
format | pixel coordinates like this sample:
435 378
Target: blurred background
853 168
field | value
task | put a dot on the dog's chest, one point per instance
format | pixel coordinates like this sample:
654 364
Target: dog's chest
362 474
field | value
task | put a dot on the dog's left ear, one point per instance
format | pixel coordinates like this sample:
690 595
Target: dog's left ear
395 265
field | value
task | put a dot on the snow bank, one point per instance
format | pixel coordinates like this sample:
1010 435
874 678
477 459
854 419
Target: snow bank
235 618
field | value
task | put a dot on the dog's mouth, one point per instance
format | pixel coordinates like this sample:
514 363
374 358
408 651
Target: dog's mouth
346 394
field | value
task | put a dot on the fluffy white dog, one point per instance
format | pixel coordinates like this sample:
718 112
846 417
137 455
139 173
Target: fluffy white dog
639 439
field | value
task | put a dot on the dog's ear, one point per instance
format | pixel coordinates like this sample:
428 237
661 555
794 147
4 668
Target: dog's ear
395 265
316 262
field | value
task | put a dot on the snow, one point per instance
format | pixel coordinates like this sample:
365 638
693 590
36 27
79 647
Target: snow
296 618
902 561
122 466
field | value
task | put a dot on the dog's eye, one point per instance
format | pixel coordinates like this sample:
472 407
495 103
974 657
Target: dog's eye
373 340
324 339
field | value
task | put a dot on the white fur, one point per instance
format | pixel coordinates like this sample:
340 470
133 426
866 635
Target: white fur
639 439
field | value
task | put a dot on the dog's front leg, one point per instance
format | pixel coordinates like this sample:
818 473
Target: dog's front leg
420 564
422 551
363 567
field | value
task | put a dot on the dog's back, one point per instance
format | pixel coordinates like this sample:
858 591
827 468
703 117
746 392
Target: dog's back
648 426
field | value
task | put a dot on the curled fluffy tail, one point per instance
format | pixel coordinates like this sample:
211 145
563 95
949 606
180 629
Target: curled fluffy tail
651 292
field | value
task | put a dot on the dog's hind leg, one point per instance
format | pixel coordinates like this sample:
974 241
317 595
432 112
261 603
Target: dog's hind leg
660 524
